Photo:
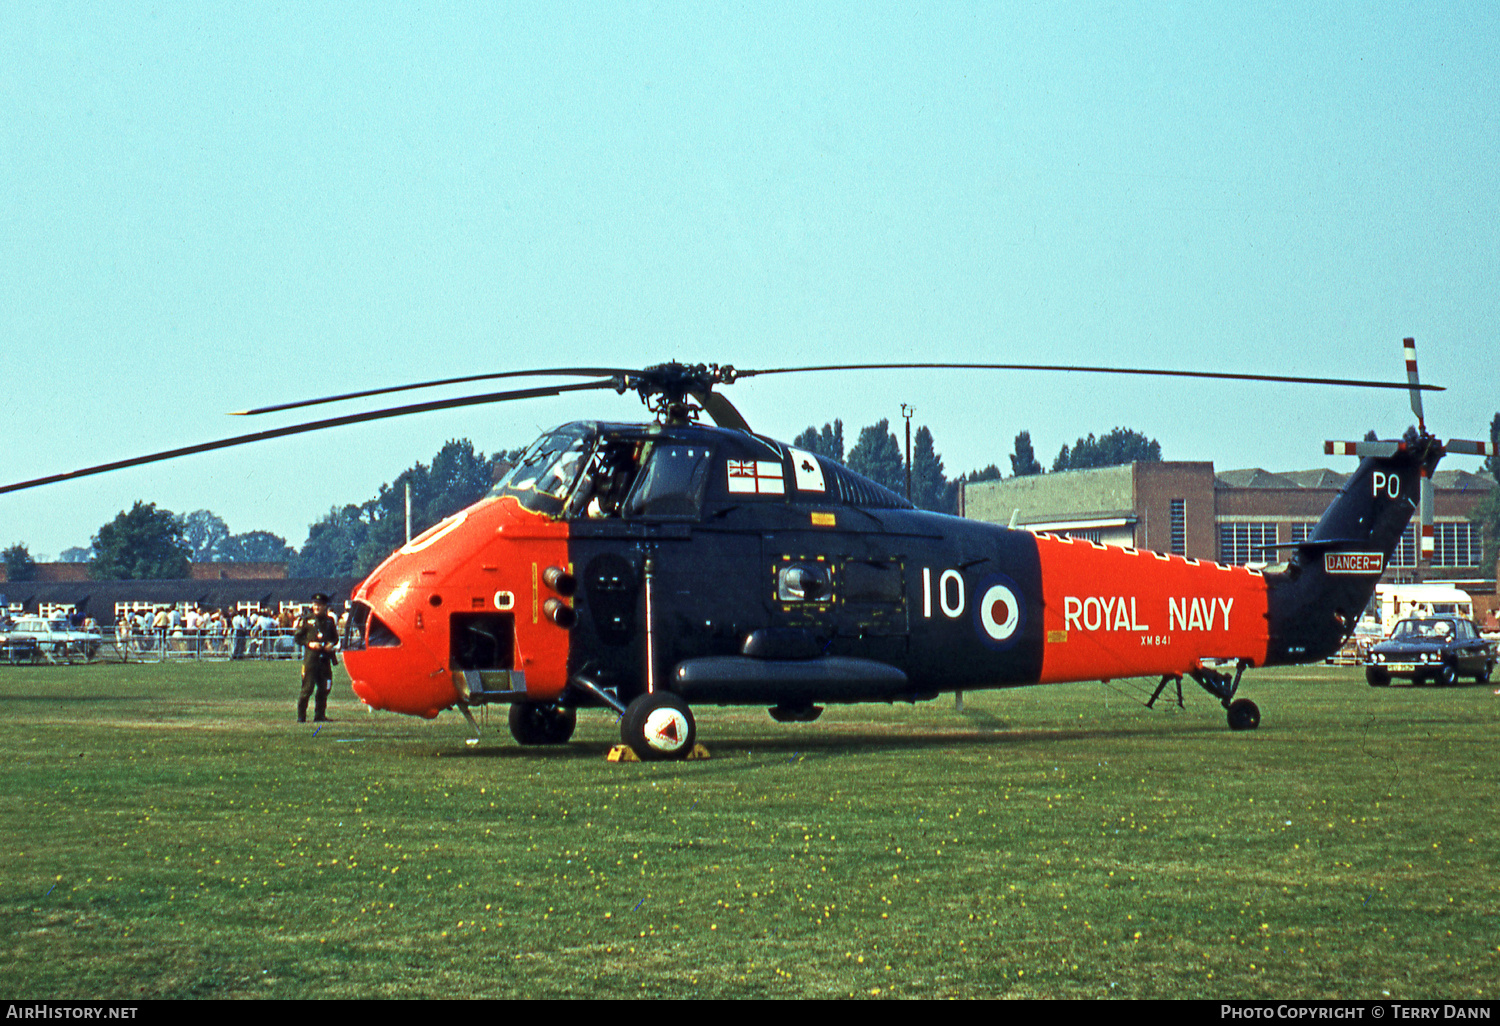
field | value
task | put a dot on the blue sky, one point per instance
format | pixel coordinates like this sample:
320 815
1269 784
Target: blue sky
204 207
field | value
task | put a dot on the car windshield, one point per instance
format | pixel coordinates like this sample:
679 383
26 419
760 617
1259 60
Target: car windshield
1423 630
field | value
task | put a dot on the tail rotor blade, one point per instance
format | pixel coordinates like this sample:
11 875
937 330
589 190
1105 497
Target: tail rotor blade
1413 382
1361 448
1465 447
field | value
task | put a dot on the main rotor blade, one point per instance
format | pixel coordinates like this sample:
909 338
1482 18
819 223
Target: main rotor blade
721 410
318 425
578 372
1283 378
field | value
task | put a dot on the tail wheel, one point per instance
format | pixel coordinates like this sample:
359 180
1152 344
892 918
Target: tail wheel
532 724
1243 714
1377 678
658 726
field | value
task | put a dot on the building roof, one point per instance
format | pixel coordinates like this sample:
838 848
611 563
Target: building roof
1320 478
1254 477
1462 481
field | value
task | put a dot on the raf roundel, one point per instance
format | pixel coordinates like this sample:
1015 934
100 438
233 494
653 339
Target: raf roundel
998 613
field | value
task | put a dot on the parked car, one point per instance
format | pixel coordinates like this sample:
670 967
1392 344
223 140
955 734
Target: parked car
1440 649
57 637
17 648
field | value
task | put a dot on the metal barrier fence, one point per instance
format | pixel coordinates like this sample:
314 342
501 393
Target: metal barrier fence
108 645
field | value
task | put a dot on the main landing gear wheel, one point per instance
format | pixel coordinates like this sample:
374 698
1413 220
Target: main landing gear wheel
1243 714
1377 678
532 724
658 726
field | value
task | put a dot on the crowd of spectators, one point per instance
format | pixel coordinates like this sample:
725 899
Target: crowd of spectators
235 633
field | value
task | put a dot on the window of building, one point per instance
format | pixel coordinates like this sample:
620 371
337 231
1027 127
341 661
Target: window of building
1456 545
1247 543
1302 532
1179 527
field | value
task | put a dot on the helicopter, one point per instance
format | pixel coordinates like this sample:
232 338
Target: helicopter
648 568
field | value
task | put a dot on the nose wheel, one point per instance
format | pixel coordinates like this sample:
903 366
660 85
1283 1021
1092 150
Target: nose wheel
658 726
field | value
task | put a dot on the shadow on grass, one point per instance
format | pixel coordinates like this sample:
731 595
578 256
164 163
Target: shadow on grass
829 744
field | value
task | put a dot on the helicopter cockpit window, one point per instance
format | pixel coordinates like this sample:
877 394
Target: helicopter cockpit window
671 483
546 472
611 471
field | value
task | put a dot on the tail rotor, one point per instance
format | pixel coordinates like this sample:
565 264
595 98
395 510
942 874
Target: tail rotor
1432 450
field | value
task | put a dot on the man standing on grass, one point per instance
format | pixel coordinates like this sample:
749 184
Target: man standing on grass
319 635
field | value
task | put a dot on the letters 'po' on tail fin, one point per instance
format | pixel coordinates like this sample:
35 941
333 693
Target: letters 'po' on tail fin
1314 605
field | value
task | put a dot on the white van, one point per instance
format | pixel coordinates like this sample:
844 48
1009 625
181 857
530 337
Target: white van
1393 603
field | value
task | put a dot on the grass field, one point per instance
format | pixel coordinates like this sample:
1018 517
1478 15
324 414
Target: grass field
170 832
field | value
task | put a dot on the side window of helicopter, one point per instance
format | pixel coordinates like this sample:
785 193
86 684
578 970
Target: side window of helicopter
671 483
607 480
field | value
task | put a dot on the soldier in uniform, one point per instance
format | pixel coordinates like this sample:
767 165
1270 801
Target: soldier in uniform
319 635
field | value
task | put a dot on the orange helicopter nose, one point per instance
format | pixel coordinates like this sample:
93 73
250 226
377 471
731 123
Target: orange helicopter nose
393 667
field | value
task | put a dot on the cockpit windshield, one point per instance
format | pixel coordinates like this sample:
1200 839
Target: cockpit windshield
547 472
579 472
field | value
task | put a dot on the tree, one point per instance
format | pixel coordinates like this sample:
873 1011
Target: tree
255 547
19 566
145 543
877 455
1487 513
77 554
929 486
204 532
459 478
351 540
828 442
1118 447
1491 464
333 544
1487 516
1023 461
